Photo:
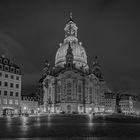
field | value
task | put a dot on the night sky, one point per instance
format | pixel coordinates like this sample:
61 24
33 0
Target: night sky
30 32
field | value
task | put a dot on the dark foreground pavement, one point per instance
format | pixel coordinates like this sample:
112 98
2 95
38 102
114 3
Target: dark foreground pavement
66 127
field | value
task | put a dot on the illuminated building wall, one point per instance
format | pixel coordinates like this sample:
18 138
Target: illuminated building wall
10 87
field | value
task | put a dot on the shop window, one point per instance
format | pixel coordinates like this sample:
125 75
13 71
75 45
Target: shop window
10 101
4 101
16 102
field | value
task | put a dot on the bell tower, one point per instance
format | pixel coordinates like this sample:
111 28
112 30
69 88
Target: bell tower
96 69
70 30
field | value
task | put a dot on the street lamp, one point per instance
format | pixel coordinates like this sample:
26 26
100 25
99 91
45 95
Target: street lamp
24 107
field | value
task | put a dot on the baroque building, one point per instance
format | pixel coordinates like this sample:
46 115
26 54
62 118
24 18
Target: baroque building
10 87
71 86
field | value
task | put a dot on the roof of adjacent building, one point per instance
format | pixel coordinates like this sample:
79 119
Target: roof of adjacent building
12 67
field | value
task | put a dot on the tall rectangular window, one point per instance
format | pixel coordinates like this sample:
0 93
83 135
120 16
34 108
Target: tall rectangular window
11 85
17 77
0 83
12 76
1 66
16 94
11 93
5 93
6 75
6 84
17 85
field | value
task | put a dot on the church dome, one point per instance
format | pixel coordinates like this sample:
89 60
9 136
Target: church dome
80 57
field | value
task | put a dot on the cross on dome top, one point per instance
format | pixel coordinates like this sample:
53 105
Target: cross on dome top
70 15
70 30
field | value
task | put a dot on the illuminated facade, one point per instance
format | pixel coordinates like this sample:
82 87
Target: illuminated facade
129 103
10 87
29 105
71 86
109 102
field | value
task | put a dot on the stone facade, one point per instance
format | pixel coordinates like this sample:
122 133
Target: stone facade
29 105
129 103
110 102
10 87
71 86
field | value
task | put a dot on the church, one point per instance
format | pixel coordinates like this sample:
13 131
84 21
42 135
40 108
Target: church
71 86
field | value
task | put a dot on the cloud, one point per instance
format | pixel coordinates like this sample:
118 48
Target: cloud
9 46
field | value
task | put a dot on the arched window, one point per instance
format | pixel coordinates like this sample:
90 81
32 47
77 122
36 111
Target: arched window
6 68
79 88
5 61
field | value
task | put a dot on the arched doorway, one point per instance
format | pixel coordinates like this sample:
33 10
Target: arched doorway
8 111
69 108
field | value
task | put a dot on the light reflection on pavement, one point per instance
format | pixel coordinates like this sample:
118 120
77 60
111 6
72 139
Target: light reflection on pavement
65 126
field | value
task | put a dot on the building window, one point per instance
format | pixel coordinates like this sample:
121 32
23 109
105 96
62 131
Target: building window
17 85
16 94
79 88
11 69
4 101
0 101
17 77
11 63
1 67
6 84
0 83
11 85
5 61
16 102
12 76
0 74
5 93
6 68
17 71
6 75
10 101
11 93
0 92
